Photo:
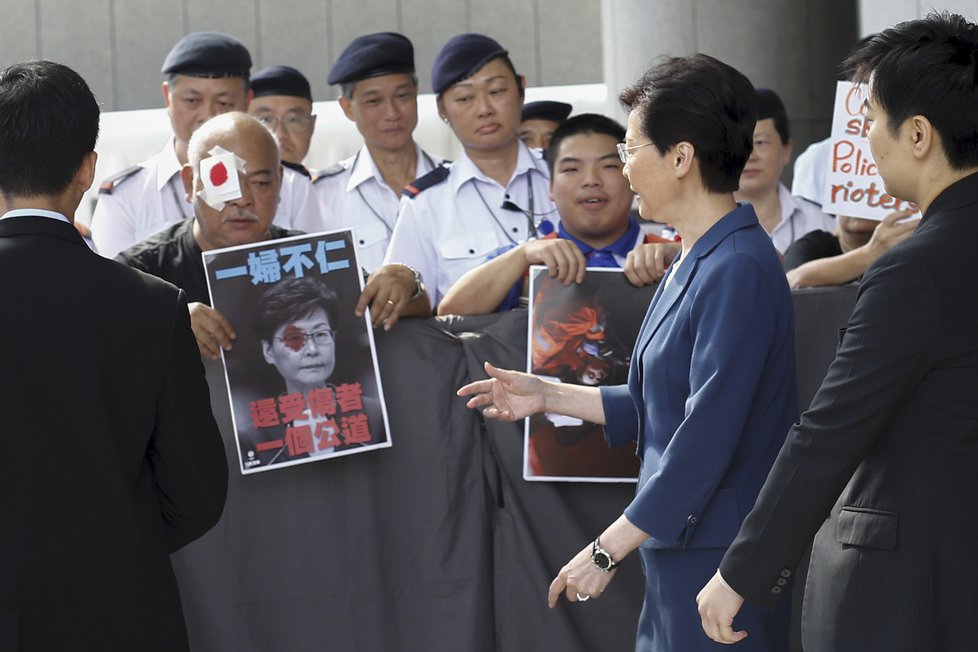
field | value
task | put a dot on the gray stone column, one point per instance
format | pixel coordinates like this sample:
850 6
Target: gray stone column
792 47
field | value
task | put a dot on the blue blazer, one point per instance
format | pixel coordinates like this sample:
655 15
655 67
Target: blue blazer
711 390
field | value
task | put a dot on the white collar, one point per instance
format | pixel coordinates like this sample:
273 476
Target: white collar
34 212
464 169
167 164
364 168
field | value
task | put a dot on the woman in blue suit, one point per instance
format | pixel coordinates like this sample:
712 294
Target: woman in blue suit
711 390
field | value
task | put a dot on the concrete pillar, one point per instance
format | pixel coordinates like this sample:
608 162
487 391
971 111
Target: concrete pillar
791 47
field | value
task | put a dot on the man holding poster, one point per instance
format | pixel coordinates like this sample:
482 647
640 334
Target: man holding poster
890 438
233 180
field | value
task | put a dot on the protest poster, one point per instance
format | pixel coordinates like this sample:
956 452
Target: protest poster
853 186
581 334
302 374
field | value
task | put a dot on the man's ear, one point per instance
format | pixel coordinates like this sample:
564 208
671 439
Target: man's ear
923 137
346 106
187 176
166 94
85 176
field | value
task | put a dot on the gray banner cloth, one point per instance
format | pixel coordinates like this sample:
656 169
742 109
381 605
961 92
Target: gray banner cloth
436 543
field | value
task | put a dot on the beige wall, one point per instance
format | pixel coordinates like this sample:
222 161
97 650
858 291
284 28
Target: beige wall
119 45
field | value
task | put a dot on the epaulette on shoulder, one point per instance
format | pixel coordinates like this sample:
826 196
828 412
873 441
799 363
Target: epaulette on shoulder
298 167
331 171
433 178
113 182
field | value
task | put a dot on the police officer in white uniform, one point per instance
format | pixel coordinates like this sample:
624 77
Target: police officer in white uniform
207 74
496 193
281 99
379 92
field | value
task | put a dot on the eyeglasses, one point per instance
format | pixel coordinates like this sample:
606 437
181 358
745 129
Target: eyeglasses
293 124
623 150
296 339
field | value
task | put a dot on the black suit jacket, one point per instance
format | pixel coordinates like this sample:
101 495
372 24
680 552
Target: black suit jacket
112 457
891 439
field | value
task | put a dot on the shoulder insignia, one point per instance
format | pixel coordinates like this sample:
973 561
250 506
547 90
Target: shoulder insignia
116 179
297 167
331 171
433 178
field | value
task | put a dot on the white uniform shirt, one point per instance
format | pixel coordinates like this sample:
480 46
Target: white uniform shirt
811 168
356 197
153 198
451 227
798 217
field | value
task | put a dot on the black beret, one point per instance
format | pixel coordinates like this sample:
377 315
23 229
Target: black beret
461 57
546 110
208 54
280 80
373 55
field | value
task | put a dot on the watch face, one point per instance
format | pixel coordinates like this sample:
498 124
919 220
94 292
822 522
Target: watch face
602 560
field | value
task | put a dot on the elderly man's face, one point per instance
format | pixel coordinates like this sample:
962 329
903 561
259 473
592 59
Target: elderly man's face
537 132
290 119
385 110
247 219
303 351
192 101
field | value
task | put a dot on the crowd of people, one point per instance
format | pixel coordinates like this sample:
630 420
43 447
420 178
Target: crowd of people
711 395
431 228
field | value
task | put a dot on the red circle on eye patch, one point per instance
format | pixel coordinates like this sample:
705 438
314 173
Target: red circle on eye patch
219 174
293 337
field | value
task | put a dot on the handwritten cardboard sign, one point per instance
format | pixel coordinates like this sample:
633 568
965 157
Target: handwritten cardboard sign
853 185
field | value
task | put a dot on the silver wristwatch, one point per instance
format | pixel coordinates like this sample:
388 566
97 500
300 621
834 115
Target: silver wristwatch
418 283
602 558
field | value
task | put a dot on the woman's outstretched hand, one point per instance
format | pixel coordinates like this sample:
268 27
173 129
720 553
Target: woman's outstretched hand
506 395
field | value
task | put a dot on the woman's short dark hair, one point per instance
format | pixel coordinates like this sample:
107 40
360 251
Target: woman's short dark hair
48 124
927 67
702 101
292 299
583 123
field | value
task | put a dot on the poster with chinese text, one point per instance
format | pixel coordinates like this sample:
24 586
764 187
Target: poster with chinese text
853 186
581 334
302 374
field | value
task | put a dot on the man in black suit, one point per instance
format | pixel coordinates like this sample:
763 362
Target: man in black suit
113 458
891 438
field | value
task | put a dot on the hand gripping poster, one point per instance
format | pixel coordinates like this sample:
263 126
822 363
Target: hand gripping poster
581 334
302 374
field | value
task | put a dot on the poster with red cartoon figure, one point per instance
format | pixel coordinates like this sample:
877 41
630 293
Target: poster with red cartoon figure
581 334
302 373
